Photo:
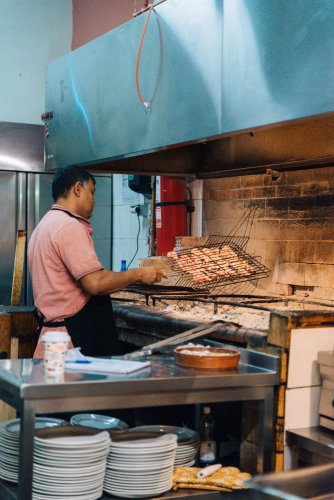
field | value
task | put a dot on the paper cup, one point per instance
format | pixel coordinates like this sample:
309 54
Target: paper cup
55 347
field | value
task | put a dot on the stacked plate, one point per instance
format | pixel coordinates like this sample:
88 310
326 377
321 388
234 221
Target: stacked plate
187 441
97 421
69 463
140 468
10 443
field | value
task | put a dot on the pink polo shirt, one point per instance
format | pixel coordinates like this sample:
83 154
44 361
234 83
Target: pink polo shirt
60 252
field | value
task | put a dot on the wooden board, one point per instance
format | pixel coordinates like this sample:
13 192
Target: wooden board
5 333
18 267
281 323
8 412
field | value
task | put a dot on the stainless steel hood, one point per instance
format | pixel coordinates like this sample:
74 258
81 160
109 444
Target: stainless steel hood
234 86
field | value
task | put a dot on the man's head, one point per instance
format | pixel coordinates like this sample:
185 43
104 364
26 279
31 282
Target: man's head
74 188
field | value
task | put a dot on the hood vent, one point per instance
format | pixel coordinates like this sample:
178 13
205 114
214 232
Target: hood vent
234 86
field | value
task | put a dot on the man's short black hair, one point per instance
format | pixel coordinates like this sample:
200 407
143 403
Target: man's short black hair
66 177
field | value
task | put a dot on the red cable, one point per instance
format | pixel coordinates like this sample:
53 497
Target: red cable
146 104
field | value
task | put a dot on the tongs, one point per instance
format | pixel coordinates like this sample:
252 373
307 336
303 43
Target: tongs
194 333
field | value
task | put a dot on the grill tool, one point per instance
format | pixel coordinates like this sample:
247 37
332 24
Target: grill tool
229 264
221 261
186 336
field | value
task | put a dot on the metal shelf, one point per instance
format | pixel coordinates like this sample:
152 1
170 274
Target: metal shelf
163 383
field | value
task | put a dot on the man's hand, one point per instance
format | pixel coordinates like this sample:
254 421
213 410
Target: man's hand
151 275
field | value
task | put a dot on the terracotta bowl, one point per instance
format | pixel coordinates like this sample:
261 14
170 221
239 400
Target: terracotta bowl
218 359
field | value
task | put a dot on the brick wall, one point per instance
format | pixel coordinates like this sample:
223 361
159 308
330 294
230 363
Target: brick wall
293 228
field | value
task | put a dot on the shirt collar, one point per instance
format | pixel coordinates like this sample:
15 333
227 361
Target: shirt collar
86 222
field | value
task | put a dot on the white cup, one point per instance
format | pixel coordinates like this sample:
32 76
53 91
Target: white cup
55 347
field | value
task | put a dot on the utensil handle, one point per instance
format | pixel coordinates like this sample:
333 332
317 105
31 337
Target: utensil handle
193 333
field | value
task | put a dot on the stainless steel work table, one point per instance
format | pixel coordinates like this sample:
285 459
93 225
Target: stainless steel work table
23 386
313 445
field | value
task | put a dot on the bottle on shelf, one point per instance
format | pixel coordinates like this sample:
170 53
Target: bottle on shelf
207 451
123 265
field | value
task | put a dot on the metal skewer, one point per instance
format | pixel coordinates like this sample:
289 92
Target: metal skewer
194 333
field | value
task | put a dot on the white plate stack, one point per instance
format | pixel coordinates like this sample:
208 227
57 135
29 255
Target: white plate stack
10 444
140 468
187 441
70 465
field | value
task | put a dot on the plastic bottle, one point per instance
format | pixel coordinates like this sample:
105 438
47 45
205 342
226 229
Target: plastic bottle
123 265
207 451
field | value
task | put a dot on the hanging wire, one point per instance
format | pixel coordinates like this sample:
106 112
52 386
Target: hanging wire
137 243
145 103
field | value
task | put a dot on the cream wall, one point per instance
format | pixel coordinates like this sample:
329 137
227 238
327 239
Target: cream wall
32 33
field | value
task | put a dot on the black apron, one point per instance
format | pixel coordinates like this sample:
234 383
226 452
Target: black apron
93 328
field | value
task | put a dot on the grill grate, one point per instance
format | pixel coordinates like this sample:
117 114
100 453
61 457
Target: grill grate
220 262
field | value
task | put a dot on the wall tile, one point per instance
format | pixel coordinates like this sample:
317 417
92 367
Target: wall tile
314 188
277 208
247 181
264 192
223 183
287 190
290 251
291 273
324 252
299 176
309 229
266 229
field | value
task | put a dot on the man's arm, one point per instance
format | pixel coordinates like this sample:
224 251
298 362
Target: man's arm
103 281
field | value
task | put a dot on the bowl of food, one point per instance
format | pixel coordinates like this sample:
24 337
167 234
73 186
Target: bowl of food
206 357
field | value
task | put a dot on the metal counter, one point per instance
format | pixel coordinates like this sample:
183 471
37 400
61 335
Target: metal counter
24 386
315 483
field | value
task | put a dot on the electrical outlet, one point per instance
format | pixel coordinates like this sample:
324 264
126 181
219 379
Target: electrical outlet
140 209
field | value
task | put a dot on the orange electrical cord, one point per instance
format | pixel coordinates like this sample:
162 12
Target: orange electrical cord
145 103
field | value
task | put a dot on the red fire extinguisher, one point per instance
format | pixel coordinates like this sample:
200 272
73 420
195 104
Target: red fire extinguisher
171 213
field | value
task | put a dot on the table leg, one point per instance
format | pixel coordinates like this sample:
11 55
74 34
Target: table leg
27 412
264 455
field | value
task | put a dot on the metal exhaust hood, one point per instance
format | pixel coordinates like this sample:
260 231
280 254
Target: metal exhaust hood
233 86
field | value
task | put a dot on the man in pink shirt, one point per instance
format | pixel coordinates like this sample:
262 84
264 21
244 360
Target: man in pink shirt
70 286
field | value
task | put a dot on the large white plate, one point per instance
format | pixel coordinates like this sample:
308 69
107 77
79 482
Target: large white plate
140 466
146 493
97 493
157 452
72 441
63 472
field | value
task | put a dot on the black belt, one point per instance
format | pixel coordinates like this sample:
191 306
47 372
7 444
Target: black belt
42 323
93 328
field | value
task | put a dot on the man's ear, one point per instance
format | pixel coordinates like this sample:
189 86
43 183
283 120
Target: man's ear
77 188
